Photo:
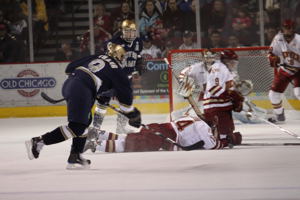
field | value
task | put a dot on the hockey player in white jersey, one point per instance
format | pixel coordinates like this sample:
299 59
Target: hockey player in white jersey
245 87
189 132
284 56
220 98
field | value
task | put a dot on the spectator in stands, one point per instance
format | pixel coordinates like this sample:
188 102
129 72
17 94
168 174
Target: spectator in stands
40 20
18 27
159 34
123 13
243 32
66 53
242 20
190 18
160 5
270 34
215 40
11 51
185 5
102 23
173 19
148 18
188 41
214 17
233 42
149 51
168 46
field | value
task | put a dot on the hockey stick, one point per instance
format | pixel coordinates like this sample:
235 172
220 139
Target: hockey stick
269 144
274 125
49 99
190 98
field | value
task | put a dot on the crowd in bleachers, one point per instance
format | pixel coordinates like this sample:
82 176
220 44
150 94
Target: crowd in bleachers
172 23
163 24
14 42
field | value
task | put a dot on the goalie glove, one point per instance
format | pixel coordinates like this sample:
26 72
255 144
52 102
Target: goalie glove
134 117
245 87
186 87
273 60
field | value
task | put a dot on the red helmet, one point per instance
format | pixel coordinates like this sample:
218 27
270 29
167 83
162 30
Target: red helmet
289 24
229 54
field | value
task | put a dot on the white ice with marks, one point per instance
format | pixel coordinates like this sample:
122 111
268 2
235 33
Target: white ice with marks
243 173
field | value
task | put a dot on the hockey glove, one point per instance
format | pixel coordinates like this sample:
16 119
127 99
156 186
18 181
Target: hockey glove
274 60
134 117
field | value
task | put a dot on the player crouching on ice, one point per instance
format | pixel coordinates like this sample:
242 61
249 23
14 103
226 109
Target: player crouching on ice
184 133
88 77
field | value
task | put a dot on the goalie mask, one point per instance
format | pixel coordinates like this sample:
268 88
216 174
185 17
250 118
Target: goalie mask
230 59
209 58
116 51
128 30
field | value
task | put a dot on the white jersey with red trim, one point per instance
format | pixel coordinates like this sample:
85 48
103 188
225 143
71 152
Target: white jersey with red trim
191 130
289 53
217 77
197 71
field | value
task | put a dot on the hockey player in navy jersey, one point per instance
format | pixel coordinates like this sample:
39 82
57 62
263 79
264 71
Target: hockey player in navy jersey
132 65
88 78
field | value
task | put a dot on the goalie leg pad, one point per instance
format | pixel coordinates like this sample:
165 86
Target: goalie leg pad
99 114
297 92
121 123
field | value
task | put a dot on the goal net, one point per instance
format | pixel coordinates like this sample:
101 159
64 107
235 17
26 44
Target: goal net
253 65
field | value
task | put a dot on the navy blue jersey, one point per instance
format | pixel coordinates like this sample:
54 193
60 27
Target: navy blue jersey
102 73
133 51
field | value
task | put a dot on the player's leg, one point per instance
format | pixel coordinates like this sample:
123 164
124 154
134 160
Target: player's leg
80 101
279 85
296 82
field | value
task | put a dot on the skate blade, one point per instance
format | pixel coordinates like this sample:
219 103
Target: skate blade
76 166
28 145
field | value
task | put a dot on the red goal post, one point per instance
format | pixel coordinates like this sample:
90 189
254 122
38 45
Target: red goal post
253 65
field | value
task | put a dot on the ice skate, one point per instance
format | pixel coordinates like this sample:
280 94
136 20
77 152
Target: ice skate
34 147
278 118
281 117
76 161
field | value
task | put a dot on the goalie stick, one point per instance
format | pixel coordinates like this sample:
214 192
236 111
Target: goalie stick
190 98
269 144
274 125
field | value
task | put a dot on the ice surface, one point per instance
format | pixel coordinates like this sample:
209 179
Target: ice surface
242 173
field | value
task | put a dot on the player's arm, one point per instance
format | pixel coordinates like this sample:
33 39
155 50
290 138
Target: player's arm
274 52
124 94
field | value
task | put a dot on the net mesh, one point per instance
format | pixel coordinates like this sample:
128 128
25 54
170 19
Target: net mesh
253 65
